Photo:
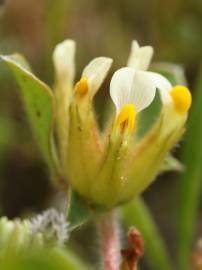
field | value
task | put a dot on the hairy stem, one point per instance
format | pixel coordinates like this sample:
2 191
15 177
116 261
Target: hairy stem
109 241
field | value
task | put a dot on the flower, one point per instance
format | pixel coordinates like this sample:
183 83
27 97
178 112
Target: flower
109 167
129 165
92 77
78 133
137 88
139 161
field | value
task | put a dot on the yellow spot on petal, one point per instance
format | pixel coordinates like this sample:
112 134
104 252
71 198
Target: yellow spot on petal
81 87
126 117
182 98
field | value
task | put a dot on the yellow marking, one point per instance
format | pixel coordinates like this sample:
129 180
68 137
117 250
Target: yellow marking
81 86
182 98
127 117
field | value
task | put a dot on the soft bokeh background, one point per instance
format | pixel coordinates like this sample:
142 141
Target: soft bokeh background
100 27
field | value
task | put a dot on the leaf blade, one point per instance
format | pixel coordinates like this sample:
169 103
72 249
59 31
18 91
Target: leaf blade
39 104
190 182
137 214
66 259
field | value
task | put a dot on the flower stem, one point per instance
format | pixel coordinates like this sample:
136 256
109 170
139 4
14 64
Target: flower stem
109 241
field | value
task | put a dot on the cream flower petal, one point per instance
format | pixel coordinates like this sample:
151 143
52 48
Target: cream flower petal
95 72
162 84
140 57
64 61
130 86
121 87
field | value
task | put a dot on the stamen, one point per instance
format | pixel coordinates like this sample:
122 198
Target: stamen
81 86
182 98
126 117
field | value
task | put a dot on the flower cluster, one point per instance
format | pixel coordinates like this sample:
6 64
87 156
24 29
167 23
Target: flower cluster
110 167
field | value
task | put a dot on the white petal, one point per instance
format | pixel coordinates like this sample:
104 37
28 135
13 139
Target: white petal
140 57
121 87
163 85
96 71
64 60
130 86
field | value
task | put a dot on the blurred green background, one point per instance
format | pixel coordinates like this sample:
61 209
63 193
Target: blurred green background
100 27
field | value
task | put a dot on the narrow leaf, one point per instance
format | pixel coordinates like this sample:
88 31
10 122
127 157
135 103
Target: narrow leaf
68 260
43 259
137 214
190 181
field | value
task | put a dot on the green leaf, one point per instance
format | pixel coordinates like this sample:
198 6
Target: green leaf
172 164
39 103
32 259
190 181
137 214
66 259
78 210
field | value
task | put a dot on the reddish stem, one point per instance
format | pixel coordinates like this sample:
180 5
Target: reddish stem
110 242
